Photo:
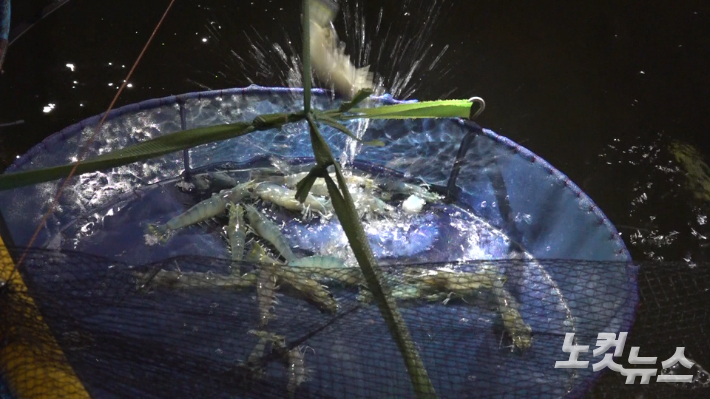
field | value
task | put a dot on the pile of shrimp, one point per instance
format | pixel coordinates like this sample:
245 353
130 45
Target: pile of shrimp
270 249
273 186
279 266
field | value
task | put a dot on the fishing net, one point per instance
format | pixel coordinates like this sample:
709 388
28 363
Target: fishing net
490 281
195 337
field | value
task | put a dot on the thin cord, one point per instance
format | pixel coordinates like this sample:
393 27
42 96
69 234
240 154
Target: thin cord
91 140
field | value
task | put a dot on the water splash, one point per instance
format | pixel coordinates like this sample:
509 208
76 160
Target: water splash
665 175
400 56
352 146
395 42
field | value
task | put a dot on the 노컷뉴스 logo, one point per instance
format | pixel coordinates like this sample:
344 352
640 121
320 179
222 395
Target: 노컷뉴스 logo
604 342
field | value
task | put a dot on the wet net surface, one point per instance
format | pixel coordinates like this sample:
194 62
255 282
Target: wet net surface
199 327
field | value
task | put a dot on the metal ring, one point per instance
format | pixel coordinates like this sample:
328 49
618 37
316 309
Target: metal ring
480 101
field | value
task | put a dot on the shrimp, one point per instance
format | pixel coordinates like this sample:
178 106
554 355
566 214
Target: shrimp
266 293
236 231
319 261
202 211
401 292
368 203
348 276
282 173
356 180
400 187
464 284
286 198
265 283
239 192
297 371
291 181
221 179
321 188
513 322
265 338
178 279
260 348
269 231
310 288
461 283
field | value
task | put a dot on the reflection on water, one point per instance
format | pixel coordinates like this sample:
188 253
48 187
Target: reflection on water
696 170
669 199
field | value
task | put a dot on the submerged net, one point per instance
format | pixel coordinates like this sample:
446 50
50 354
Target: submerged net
189 327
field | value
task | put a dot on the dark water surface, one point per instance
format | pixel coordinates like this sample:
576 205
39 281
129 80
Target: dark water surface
615 94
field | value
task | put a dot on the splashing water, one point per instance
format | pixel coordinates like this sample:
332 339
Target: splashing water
664 174
399 57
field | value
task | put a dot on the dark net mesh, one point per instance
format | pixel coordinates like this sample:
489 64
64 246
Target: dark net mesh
195 327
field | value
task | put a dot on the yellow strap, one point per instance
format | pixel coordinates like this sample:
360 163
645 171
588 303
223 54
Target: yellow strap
31 361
